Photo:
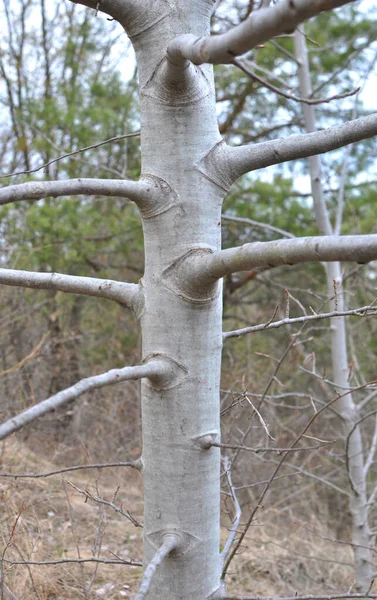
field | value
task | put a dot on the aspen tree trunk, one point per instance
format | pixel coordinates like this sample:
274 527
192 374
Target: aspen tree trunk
181 478
361 535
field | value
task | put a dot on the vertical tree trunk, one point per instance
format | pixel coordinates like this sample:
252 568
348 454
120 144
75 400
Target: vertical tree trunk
181 477
361 535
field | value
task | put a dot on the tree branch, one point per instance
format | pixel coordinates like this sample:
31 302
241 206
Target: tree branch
73 153
98 500
153 369
363 311
7 592
304 100
258 225
257 29
134 464
64 561
124 293
351 248
372 450
145 192
224 164
237 513
263 449
170 543
261 498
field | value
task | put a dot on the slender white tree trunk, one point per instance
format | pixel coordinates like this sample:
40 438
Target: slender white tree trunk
361 535
181 475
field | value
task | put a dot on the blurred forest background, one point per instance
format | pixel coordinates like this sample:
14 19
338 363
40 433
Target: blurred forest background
68 82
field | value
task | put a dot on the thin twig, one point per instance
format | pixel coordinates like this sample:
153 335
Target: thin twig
62 561
364 311
259 225
237 515
277 90
136 464
275 472
260 449
99 500
27 358
79 151
329 539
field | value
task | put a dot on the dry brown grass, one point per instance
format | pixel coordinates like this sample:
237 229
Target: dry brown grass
282 557
46 519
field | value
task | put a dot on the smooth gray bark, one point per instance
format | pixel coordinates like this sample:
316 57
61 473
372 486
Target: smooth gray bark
181 478
359 508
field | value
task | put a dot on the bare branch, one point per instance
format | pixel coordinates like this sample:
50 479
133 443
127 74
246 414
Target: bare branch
258 225
347 455
98 500
208 267
7 592
363 311
63 561
300 470
237 515
144 192
257 29
280 92
26 358
153 369
135 464
372 450
171 542
366 400
123 293
275 472
225 164
263 449
73 153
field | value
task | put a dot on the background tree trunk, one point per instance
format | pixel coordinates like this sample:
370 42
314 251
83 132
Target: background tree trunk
361 534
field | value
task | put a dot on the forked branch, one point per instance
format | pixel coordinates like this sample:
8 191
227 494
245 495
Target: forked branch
123 293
